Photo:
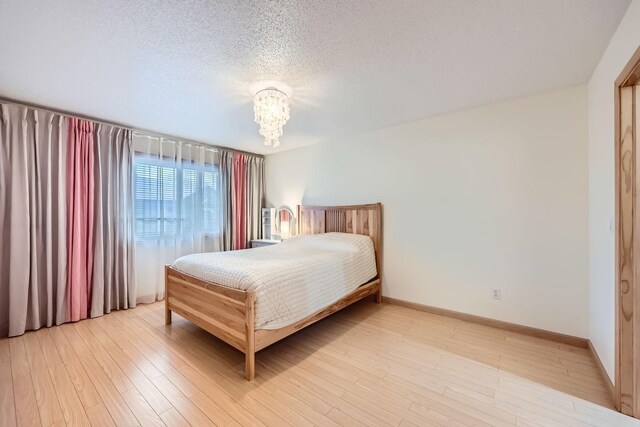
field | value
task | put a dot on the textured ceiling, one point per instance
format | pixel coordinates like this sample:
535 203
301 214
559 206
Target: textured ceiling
185 67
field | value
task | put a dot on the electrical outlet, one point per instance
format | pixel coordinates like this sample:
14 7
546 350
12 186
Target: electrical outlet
496 294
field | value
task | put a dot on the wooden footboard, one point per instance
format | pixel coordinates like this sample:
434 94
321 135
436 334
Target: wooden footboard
227 313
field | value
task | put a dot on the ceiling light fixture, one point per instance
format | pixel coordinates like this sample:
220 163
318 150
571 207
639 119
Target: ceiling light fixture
271 112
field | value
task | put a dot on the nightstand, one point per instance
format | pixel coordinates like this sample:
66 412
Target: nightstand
263 242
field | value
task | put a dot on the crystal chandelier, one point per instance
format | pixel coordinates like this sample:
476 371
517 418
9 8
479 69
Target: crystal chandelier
271 112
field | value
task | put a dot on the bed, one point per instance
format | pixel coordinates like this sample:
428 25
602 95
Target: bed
251 299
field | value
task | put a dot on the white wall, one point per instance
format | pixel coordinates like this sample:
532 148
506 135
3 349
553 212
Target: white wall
493 197
601 185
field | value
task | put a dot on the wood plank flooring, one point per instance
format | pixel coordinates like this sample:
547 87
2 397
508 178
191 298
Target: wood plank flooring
366 365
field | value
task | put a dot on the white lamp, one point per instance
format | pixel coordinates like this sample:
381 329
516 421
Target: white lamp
285 231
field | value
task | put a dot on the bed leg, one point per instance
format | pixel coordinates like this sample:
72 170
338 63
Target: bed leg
250 344
379 297
167 314
250 366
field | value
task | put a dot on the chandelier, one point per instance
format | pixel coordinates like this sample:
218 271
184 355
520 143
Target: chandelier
271 112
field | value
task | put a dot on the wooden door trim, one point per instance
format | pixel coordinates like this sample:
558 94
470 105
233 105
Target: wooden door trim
627 211
625 77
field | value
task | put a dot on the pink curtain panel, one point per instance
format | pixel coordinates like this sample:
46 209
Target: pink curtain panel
239 189
80 216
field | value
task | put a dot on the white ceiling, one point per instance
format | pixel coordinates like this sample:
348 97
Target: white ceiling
185 67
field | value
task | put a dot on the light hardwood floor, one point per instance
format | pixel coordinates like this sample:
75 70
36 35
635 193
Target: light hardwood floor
366 365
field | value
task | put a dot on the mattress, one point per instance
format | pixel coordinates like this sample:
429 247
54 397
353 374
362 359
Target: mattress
292 279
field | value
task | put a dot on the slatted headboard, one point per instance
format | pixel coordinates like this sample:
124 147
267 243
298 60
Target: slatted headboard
357 219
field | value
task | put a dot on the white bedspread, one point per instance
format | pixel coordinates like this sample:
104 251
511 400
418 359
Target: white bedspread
292 279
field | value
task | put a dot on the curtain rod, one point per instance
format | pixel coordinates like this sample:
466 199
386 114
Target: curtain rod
144 132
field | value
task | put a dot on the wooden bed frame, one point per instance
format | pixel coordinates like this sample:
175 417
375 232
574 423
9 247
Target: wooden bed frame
229 314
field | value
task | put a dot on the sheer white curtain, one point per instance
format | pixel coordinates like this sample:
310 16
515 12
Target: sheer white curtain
177 207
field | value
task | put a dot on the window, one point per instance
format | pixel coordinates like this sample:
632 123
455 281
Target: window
173 199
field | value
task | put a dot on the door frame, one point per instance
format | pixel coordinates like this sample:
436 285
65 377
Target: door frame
627 206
